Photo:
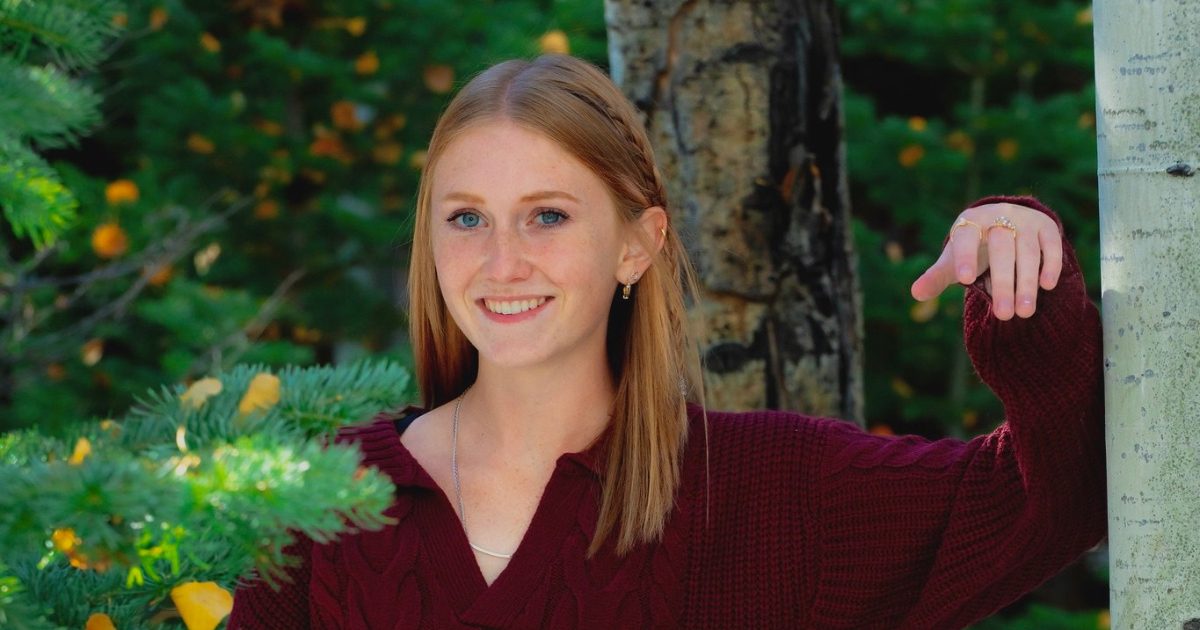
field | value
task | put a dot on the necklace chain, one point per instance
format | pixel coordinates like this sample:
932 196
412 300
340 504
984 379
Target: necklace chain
462 510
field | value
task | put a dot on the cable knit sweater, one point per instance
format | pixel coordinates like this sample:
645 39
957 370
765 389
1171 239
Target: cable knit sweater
811 523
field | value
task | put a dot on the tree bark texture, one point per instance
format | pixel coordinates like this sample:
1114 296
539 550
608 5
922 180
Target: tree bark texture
1148 125
743 101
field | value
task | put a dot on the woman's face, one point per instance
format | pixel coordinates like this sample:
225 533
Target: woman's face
527 245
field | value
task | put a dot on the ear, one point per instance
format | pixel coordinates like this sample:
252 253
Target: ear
646 238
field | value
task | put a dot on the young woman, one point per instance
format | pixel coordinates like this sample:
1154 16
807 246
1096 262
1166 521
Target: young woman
563 474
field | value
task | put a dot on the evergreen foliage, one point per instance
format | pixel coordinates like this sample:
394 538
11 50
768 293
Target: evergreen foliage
43 107
191 485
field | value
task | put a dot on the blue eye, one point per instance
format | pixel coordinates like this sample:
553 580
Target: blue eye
465 220
547 218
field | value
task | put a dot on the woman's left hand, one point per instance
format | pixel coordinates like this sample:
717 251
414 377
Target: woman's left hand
1021 247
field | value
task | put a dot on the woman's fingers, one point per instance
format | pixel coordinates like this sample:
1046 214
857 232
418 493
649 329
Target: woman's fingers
1018 260
965 242
1029 258
1002 253
935 279
1052 256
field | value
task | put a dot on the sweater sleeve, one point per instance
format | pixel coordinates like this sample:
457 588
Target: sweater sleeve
938 534
257 606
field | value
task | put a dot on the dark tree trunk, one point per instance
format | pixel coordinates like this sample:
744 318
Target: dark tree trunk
743 101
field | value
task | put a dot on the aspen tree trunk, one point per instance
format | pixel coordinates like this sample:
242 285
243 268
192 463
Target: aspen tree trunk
743 101
1148 120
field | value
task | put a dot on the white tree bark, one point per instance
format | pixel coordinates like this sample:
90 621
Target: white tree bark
1148 120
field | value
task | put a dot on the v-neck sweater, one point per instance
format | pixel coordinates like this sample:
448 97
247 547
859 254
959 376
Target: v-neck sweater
782 520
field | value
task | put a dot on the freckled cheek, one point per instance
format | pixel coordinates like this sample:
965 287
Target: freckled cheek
452 276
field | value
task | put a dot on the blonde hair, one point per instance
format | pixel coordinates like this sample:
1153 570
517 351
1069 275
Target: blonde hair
653 360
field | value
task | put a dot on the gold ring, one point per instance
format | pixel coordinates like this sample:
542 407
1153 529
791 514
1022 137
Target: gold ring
963 223
1006 223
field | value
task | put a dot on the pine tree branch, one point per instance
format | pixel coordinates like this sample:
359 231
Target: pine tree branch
35 203
44 106
73 33
240 339
169 249
190 490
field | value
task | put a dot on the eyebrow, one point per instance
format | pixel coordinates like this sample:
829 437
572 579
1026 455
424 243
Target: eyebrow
540 195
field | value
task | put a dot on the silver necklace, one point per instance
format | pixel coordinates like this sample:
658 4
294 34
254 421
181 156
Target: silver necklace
458 484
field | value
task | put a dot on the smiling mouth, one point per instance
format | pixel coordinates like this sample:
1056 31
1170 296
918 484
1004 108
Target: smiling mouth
513 307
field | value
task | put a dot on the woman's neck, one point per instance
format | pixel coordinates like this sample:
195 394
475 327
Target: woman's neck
538 413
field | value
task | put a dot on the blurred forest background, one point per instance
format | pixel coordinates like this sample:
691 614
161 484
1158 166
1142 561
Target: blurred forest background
188 186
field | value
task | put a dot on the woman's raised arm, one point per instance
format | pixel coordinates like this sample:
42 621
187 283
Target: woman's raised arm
939 534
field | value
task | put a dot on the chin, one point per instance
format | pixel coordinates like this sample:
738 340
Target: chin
512 358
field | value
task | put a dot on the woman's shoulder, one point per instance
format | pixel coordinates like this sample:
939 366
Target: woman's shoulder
385 424
378 440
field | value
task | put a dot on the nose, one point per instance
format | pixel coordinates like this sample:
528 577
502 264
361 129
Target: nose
507 256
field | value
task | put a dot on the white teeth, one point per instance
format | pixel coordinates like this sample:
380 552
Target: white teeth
514 307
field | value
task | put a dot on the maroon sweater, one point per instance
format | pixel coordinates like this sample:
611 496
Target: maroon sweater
802 522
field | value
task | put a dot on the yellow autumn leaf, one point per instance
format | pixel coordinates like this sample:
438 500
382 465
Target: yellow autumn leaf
83 448
345 115
367 63
555 42
159 276
121 191
64 539
894 251
1007 149
387 153
197 143
99 621
200 391
918 124
902 388
356 26
202 604
91 352
417 159
328 144
910 155
268 127
438 78
210 43
56 372
109 240
266 210
158 18
961 142
204 259
262 394
391 124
